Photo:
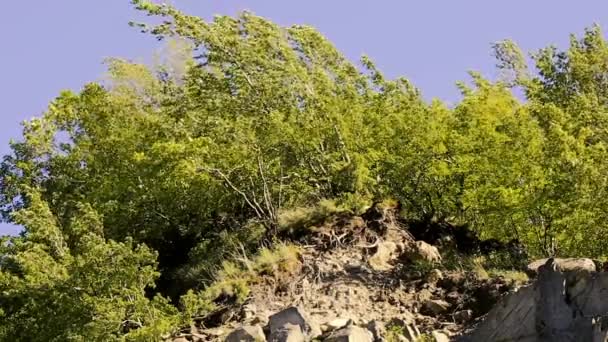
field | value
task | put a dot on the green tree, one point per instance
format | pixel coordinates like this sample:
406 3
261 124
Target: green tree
94 291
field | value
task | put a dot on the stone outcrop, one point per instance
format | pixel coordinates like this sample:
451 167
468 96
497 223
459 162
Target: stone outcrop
562 305
361 278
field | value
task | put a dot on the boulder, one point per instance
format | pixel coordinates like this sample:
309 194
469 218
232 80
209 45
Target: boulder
386 251
565 265
296 316
287 333
350 333
435 307
422 251
247 333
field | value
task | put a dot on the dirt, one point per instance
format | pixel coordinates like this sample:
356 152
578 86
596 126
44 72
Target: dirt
336 281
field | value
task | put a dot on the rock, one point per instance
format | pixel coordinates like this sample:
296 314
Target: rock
386 252
411 332
435 307
434 276
378 330
338 323
463 316
180 339
287 333
421 250
511 320
296 316
247 333
350 334
438 336
565 265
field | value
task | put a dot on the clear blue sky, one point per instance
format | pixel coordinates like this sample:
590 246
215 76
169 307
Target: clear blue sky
48 46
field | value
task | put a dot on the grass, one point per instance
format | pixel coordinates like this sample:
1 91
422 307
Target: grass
517 277
303 218
485 267
393 332
235 277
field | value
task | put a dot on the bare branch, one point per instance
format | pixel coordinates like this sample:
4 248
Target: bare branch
237 190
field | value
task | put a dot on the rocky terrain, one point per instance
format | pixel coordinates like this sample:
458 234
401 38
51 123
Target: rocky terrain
359 278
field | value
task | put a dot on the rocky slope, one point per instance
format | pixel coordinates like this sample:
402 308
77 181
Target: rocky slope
358 278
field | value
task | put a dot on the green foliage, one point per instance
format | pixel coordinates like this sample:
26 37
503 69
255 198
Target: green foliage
93 291
517 277
393 332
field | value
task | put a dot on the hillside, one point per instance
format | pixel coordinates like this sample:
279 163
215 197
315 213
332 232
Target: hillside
253 167
367 271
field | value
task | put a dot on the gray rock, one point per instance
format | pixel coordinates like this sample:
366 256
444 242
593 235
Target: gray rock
287 333
350 334
247 333
510 320
553 309
296 316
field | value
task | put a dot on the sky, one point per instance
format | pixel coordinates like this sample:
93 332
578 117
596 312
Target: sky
48 46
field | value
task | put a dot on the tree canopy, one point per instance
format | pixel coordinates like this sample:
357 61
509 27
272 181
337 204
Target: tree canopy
134 190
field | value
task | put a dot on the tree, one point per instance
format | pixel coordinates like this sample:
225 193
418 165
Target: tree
93 291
